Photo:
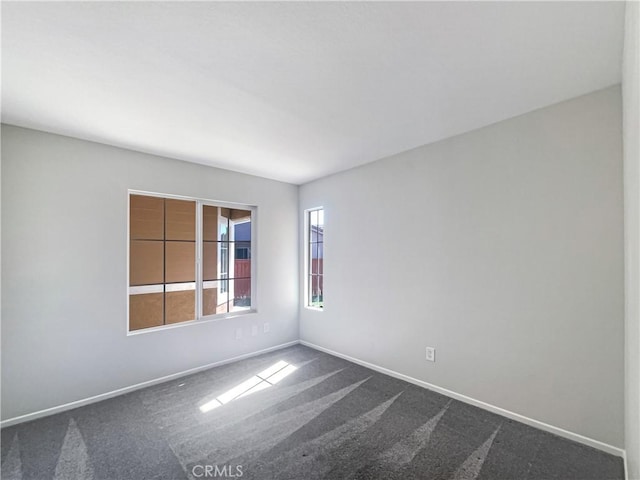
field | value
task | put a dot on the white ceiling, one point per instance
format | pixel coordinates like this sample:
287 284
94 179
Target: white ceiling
296 91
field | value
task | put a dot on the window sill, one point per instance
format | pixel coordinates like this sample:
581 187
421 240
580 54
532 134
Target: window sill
200 321
317 309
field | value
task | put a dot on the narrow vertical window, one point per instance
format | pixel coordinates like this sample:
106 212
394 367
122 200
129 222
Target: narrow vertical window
315 258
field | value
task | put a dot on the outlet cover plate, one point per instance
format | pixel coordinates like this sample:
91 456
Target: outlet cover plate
431 354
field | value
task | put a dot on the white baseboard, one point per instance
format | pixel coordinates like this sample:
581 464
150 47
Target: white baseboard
605 447
463 398
103 396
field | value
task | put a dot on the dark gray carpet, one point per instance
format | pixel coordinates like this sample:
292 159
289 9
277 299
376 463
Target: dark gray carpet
328 418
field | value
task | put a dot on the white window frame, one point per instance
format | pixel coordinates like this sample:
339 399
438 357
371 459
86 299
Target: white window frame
229 273
307 258
200 319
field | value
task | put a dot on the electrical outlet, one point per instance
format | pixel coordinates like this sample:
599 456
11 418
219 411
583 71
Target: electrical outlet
266 327
238 333
431 354
254 330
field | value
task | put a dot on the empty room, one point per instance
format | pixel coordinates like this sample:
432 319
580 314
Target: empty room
320 240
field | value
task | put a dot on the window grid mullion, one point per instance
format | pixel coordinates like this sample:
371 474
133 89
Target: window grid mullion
199 255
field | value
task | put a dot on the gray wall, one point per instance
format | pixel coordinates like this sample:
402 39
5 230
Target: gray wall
502 248
631 96
64 221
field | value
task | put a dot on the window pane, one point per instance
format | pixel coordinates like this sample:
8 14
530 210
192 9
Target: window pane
223 229
180 219
215 297
240 294
209 260
242 250
223 300
223 263
180 259
146 262
210 222
315 262
242 232
242 253
146 218
315 291
242 261
238 215
146 310
314 288
180 306
209 297
223 284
